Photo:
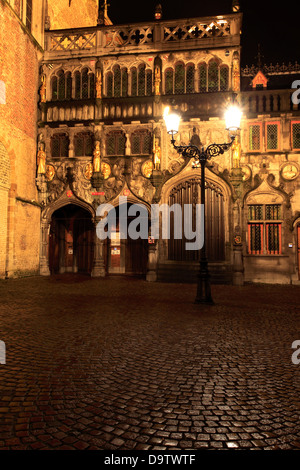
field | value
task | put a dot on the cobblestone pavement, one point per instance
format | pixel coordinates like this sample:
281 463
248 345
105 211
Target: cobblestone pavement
120 364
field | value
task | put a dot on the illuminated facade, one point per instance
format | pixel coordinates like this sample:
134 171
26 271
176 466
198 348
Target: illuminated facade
102 91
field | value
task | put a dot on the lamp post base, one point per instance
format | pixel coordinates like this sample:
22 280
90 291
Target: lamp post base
203 287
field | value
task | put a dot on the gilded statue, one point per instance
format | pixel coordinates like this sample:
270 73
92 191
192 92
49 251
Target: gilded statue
157 80
156 153
98 85
41 159
236 153
97 158
43 89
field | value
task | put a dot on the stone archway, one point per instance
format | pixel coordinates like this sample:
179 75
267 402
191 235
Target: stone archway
71 241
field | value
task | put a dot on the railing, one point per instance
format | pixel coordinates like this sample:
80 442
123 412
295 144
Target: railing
278 69
71 40
267 101
159 33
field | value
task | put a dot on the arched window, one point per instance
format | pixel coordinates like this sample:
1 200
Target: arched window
133 81
213 76
148 82
115 143
68 85
141 80
179 78
190 78
61 85
77 85
124 82
117 81
54 88
83 144
169 81
59 145
202 74
109 84
84 84
224 78
141 142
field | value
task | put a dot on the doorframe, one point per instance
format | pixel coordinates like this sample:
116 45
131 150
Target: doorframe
46 218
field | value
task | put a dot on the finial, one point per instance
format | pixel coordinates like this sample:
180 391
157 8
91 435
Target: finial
158 12
235 6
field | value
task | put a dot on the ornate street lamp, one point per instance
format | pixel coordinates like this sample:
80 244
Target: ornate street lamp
201 156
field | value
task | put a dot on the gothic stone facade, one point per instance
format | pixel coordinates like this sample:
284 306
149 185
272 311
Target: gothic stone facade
101 136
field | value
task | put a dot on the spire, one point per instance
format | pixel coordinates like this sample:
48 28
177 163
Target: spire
103 18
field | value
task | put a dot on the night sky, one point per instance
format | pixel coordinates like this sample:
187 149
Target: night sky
264 22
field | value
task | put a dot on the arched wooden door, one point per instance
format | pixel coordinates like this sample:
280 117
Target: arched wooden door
188 192
71 241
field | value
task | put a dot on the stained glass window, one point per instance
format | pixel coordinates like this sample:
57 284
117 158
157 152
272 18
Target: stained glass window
202 78
254 137
169 79
272 136
296 135
179 79
190 78
213 76
264 237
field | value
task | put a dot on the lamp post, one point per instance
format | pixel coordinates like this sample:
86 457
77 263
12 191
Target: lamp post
201 156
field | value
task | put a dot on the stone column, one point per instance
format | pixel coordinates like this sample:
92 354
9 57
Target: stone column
152 262
44 262
99 265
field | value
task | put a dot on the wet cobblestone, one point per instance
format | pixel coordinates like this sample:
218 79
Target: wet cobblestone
121 364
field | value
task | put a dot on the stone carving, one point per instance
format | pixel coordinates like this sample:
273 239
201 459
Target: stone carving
41 159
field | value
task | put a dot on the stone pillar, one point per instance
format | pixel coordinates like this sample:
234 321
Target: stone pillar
44 262
238 267
152 262
99 265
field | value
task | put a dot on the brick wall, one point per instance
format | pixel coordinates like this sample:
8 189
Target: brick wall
19 64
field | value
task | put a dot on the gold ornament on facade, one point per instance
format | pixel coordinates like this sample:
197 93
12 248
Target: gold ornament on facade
97 158
157 80
98 85
246 173
236 73
147 168
88 171
43 89
105 170
156 153
236 153
50 172
41 159
289 171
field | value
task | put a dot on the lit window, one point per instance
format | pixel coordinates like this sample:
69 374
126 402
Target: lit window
115 143
272 136
169 82
59 145
179 79
202 70
141 143
296 135
264 229
83 145
254 137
